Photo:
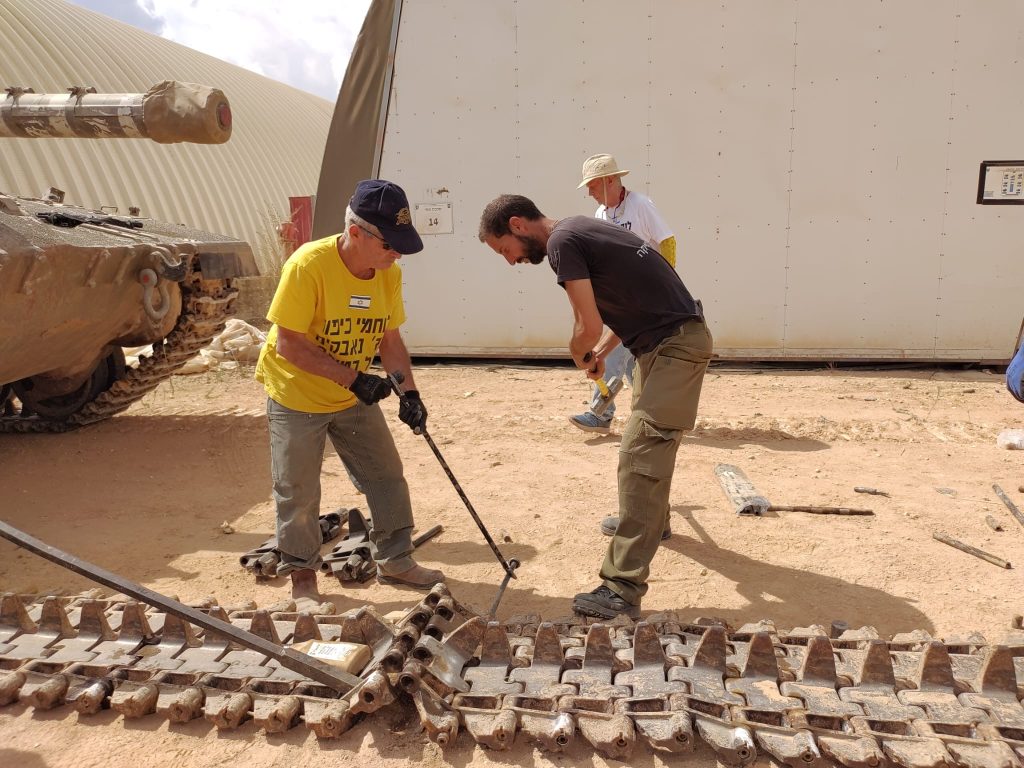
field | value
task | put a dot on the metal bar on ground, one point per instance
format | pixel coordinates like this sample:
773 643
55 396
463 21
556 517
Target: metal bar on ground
820 510
1009 504
288 658
870 491
980 553
994 524
427 535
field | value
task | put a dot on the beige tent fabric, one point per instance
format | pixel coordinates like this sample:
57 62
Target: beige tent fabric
176 112
352 140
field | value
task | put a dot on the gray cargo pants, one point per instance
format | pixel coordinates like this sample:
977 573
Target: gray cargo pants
666 392
364 443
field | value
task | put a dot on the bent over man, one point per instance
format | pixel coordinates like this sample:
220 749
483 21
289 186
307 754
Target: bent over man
613 278
339 302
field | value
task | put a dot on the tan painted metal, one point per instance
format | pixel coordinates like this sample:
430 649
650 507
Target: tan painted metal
241 187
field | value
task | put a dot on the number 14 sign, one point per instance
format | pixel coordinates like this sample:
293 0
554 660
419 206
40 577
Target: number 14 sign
433 218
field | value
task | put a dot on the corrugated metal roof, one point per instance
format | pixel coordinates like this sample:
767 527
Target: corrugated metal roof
239 188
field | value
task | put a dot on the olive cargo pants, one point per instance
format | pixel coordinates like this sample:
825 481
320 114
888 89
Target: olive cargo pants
665 396
364 443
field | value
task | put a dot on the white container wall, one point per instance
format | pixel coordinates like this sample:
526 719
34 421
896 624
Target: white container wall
818 161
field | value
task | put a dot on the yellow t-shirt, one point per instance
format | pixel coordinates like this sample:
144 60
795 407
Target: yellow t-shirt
340 313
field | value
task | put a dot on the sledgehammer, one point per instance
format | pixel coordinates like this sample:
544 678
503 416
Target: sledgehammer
396 379
608 390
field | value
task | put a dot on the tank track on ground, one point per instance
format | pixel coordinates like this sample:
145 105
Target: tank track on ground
206 306
807 697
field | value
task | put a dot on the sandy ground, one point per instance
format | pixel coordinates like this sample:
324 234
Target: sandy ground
146 493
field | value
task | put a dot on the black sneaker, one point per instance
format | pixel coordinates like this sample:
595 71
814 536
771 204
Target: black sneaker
610 524
604 604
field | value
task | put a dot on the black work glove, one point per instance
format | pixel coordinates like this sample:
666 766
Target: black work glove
369 388
413 412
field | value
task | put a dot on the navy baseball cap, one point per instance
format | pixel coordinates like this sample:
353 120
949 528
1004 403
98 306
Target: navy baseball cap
385 205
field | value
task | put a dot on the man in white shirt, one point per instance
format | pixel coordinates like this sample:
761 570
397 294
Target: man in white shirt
635 213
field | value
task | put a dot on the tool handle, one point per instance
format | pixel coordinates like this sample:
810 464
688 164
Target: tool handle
396 379
469 506
601 385
818 510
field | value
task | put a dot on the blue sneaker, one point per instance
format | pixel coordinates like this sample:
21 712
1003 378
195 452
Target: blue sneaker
588 422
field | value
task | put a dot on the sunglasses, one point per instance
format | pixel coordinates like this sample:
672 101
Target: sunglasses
383 242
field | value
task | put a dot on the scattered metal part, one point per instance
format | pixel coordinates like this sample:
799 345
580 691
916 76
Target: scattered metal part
351 559
742 494
396 379
980 553
821 510
870 491
263 560
994 524
1014 510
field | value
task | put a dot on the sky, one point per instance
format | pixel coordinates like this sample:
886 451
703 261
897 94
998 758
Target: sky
305 43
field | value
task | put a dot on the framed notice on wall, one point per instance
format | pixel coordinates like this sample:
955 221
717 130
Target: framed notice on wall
1001 182
433 218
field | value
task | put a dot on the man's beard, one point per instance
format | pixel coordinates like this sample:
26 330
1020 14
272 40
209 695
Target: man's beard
533 251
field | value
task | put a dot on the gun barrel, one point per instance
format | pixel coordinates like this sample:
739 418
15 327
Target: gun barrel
167 113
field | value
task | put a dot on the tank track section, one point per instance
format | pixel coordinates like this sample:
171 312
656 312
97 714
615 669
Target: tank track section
206 306
806 697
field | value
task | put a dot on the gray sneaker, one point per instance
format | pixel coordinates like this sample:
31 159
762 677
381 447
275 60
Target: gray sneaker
610 524
588 422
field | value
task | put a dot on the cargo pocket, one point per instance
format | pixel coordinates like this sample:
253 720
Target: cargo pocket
671 391
651 449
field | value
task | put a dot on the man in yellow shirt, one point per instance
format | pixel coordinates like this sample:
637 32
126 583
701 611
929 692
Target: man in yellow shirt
338 304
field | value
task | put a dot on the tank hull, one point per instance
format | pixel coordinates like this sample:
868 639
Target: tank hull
77 285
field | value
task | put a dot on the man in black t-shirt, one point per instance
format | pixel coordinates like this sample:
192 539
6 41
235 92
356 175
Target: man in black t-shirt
615 279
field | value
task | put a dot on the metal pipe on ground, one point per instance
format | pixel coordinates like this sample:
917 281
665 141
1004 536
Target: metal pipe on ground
979 553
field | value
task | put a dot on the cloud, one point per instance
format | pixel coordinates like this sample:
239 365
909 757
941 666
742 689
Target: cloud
305 43
123 10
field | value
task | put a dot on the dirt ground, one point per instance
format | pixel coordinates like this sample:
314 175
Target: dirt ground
146 494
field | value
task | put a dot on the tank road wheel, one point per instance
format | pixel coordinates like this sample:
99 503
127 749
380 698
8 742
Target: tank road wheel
59 407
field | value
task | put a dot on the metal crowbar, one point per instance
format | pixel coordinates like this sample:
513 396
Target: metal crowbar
396 379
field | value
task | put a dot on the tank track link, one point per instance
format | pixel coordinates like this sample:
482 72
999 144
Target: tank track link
806 697
95 654
206 307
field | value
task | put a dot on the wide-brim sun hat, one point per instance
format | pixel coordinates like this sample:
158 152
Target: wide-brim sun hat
599 167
